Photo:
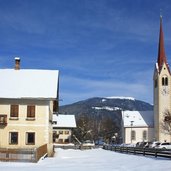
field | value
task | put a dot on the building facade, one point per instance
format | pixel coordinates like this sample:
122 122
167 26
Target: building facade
138 126
62 128
28 99
162 93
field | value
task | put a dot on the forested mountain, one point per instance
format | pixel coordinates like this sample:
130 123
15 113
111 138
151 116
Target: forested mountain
101 117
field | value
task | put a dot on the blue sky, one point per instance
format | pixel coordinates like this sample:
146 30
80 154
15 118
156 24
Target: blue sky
101 47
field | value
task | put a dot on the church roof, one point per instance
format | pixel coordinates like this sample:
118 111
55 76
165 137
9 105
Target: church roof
139 118
28 83
161 50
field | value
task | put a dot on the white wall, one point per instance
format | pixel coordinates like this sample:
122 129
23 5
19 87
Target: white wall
139 134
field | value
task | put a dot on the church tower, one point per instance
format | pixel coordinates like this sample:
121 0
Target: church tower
162 92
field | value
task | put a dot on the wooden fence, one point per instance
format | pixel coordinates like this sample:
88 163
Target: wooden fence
23 155
141 151
40 152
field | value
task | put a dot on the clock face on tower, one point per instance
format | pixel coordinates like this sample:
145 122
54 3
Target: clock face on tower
165 91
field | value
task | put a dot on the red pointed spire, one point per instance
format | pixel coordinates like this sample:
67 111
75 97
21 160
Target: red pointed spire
161 51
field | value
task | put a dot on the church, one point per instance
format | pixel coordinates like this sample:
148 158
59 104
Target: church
162 93
152 125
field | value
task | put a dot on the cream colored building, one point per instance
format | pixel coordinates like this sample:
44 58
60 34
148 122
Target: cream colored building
138 126
27 100
62 128
162 93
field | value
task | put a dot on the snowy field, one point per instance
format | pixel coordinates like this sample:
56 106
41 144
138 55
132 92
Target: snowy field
91 160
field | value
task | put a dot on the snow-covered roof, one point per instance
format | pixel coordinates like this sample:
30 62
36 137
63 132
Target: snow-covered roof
64 121
28 83
139 118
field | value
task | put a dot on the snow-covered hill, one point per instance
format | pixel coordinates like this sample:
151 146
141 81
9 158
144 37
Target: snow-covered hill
107 104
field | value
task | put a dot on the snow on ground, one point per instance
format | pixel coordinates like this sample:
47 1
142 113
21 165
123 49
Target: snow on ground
91 160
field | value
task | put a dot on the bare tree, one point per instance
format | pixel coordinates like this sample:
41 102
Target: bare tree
166 122
92 127
84 130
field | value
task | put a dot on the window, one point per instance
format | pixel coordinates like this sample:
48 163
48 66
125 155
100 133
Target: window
14 111
66 132
13 137
55 136
60 132
3 119
31 111
60 141
30 138
144 135
164 81
133 135
66 140
54 122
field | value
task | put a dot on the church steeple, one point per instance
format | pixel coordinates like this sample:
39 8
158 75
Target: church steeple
162 92
161 50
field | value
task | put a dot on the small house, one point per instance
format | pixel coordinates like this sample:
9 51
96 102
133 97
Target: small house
62 128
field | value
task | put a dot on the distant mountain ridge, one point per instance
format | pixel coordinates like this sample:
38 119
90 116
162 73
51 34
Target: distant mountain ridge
107 104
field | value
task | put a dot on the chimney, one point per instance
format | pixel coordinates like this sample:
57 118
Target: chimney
17 63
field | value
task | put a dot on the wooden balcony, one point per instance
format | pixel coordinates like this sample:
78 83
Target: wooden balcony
3 120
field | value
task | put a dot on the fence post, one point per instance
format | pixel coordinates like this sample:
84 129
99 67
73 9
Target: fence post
35 155
155 154
7 154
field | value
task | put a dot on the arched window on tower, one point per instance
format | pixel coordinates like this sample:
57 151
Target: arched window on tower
164 81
